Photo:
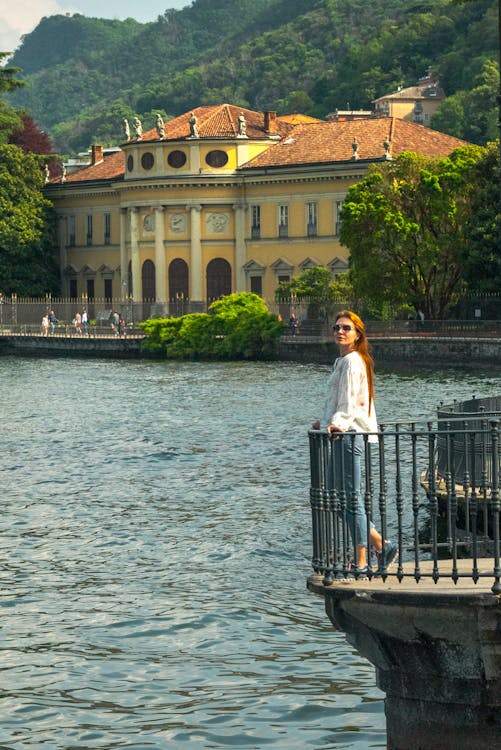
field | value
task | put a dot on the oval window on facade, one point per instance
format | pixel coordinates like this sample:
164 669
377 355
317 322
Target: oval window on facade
147 160
216 158
130 163
176 159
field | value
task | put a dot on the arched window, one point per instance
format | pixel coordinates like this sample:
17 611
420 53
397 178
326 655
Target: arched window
129 275
178 280
218 279
148 280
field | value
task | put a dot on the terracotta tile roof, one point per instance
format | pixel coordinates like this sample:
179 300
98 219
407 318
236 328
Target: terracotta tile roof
332 142
298 119
309 142
415 92
111 168
219 121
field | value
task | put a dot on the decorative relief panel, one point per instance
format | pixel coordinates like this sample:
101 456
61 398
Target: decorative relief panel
217 222
177 223
149 223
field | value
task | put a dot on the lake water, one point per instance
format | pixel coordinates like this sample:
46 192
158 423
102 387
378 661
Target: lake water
155 548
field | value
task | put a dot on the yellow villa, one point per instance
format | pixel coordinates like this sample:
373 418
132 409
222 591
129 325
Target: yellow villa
218 200
415 103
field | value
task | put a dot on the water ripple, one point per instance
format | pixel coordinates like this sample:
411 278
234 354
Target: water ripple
156 544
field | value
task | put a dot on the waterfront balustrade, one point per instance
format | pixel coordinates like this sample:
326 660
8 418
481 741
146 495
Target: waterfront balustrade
430 487
68 330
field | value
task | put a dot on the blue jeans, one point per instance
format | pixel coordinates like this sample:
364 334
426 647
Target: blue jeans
348 454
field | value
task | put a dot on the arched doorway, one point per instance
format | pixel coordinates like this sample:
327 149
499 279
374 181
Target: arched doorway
218 279
148 281
178 286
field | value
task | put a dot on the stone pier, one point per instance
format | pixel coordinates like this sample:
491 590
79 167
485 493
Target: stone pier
436 648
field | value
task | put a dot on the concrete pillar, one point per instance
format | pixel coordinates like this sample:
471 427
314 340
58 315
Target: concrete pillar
134 250
196 271
240 247
437 654
160 261
124 266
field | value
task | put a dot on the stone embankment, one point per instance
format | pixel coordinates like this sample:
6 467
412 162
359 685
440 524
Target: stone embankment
423 349
410 349
102 346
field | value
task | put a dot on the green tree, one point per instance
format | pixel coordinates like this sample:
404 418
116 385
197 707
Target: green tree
237 326
482 256
473 114
406 226
27 265
316 287
10 120
8 80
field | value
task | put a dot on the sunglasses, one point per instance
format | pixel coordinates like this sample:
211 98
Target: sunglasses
338 328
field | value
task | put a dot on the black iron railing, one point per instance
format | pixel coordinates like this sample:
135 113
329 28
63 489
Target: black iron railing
443 517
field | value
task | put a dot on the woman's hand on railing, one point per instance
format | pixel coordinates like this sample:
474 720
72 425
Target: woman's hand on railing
333 428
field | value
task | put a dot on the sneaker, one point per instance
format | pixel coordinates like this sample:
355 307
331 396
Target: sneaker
361 574
356 574
386 557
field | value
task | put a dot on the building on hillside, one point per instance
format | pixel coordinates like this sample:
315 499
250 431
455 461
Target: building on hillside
415 103
218 200
342 115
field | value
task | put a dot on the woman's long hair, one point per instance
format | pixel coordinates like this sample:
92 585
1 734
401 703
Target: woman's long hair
363 348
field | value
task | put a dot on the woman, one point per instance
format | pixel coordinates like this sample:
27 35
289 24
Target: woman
349 407
45 325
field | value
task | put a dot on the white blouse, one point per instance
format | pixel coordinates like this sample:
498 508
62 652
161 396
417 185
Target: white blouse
347 403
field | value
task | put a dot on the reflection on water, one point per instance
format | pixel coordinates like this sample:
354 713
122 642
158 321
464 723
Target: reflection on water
156 545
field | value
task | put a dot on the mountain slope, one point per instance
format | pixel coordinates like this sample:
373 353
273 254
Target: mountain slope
86 75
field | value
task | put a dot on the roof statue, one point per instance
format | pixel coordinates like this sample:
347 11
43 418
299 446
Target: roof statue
193 126
387 146
127 129
160 126
242 126
354 146
138 127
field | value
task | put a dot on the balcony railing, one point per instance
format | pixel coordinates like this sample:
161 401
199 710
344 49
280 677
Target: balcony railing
443 517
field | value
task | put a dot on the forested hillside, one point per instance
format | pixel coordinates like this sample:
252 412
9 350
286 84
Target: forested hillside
85 75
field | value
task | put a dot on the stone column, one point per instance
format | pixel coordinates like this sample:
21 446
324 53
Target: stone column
134 250
196 271
124 266
160 264
240 248
63 255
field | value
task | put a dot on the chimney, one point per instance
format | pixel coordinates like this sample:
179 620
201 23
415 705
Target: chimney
269 123
97 155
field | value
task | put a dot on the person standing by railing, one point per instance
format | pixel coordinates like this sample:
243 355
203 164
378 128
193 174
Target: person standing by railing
52 321
349 408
